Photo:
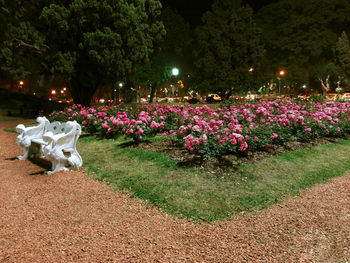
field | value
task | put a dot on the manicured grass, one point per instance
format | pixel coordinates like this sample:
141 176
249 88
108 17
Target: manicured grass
195 194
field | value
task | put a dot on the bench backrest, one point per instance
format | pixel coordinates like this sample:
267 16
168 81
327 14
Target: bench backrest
57 128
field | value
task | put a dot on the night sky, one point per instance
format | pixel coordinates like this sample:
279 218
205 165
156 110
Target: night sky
192 10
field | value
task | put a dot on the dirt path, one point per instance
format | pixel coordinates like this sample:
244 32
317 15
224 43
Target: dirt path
67 217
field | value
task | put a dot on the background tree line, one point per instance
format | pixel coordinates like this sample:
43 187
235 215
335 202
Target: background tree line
90 44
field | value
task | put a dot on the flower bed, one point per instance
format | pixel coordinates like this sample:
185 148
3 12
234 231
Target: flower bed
211 132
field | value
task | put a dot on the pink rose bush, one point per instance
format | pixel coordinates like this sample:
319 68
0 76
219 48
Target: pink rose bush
211 132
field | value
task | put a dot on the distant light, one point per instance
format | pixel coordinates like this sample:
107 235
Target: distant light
115 90
53 92
102 100
175 71
21 82
34 93
282 72
304 86
50 99
120 84
64 88
251 69
62 91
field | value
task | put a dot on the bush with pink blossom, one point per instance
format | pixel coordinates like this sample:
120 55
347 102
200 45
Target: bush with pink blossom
237 128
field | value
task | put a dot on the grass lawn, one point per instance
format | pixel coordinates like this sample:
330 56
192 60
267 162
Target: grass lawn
198 195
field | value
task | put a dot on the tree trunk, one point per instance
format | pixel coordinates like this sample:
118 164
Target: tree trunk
41 90
81 92
12 85
117 94
153 90
227 94
325 85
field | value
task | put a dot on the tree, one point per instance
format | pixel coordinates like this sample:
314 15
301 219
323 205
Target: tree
228 45
300 35
343 55
175 50
326 75
152 74
18 53
89 43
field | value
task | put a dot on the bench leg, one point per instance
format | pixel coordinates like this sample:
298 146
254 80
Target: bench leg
25 153
58 166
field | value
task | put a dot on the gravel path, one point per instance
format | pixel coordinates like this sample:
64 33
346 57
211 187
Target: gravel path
67 217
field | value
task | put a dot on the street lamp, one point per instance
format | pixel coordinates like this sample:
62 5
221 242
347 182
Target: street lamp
281 73
175 71
20 84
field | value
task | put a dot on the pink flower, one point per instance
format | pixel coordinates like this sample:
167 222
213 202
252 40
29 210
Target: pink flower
244 146
274 136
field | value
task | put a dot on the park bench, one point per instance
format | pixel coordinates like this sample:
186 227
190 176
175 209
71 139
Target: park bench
54 141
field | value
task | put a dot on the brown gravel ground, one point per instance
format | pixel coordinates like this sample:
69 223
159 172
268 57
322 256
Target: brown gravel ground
68 217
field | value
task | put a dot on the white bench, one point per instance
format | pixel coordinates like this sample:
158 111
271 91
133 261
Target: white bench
26 135
54 141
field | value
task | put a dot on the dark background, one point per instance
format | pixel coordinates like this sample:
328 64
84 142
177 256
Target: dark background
192 10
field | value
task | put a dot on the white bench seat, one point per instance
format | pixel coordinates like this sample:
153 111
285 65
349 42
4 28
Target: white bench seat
39 141
54 141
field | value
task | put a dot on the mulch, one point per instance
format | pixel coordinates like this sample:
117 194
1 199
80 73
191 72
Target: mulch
69 217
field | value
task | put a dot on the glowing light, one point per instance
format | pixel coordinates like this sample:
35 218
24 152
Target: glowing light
53 92
102 100
304 86
175 71
120 84
251 69
21 82
282 72
64 88
62 91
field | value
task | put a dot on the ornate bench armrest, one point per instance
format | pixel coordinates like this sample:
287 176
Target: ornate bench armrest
35 131
27 135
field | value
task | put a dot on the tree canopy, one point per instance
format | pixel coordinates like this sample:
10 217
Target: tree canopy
175 50
88 43
228 45
343 54
300 35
